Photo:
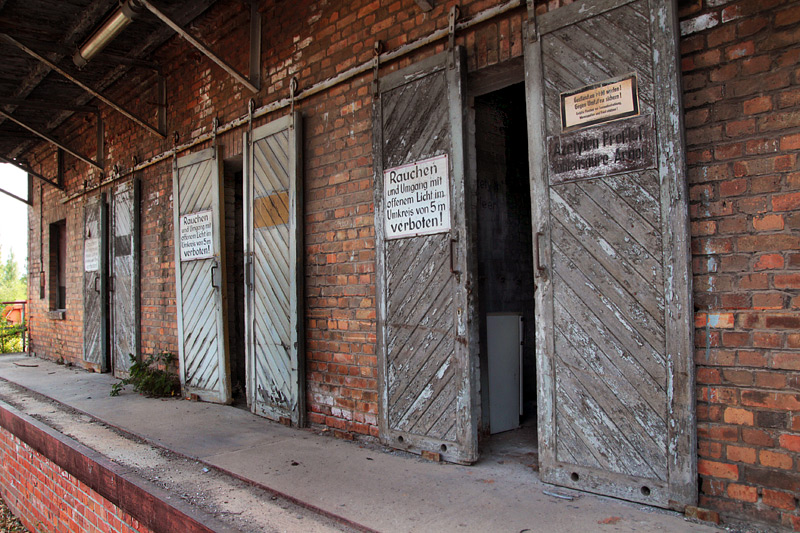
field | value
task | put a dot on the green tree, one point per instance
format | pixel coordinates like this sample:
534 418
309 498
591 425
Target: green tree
13 285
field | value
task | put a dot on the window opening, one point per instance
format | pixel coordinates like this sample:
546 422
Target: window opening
58 265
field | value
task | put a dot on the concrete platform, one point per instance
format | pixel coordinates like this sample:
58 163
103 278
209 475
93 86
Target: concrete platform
365 484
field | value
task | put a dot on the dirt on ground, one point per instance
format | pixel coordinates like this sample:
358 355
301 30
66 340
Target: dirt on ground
239 505
8 522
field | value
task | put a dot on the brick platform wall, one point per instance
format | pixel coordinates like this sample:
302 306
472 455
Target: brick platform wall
742 90
46 497
53 483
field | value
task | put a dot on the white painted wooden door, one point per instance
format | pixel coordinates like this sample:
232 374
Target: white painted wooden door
273 247
200 275
95 296
613 305
124 280
425 332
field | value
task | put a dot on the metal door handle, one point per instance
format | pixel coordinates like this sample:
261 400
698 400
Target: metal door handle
452 261
96 288
537 260
214 282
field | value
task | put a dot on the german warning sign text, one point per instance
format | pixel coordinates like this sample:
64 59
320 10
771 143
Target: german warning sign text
417 198
196 232
621 146
601 102
91 255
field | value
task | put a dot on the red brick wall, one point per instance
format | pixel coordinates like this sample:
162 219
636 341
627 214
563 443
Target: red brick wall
47 498
742 89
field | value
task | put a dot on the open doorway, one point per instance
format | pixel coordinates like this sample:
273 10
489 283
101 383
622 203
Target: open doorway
234 263
505 274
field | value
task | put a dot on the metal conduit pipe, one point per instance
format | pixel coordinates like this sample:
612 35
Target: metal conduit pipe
318 87
106 33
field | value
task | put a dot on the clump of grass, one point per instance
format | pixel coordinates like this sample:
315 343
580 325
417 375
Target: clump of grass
150 376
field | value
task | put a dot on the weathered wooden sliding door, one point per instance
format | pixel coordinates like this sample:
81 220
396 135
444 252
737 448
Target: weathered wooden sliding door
274 278
95 278
424 332
124 280
200 275
613 305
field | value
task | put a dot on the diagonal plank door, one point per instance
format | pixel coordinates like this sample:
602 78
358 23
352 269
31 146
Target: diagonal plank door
425 371
273 218
95 325
124 293
613 303
199 273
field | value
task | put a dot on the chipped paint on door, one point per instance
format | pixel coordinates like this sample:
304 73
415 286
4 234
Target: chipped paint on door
273 246
95 326
424 334
613 305
124 281
202 330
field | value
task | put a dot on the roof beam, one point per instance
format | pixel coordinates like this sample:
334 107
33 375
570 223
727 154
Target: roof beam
41 104
184 16
238 76
51 140
10 40
87 19
15 197
31 172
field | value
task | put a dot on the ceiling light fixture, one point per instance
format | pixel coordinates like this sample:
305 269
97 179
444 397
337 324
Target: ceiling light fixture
117 22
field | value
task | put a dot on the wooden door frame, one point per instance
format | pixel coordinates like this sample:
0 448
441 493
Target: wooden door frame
465 326
294 123
215 153
103 360
679 328
479 83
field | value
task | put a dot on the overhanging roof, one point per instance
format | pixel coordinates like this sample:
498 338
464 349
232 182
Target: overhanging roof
35 95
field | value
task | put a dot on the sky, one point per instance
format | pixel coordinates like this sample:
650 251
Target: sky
14 229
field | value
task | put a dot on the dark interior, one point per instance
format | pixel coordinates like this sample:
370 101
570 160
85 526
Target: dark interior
234 263
505 251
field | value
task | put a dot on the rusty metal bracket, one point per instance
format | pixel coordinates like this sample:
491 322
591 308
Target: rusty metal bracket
101 140
537 258
30 171
175 138
13 42
251 107
452 18
255 45
214 128
531 28
377 50
161 108
456 273
51 140
293 86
